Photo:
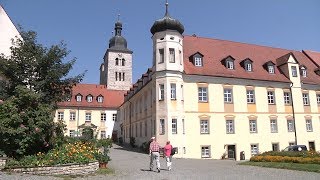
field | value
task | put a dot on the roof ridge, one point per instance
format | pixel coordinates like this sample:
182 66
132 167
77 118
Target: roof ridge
292 50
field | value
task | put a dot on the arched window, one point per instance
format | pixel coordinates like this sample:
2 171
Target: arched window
123 62
117 61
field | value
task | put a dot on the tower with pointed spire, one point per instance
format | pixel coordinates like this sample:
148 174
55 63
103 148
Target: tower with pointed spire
116 70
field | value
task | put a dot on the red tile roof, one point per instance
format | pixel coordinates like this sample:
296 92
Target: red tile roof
111 98
314 56
214 50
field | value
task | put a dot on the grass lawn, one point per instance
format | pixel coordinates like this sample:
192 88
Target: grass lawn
278 165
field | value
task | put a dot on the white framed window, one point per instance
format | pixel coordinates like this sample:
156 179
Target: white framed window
230 126
182 96
202 94
230 64
305 98
271 69
60 116
89 98
162 127
309 125
198 61
318 99
79 98
271 97
254 149
100 99
171 55
290 125
227 95
161 92
273 125
72 133
72 116
183 127
250 97
161 54
249 67
123 76
88 117
174 126
303 72
114 117
103 117
287 98
253 126
294 71
173 91
205 152
102 134
204 126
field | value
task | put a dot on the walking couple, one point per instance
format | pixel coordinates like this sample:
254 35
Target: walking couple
154 152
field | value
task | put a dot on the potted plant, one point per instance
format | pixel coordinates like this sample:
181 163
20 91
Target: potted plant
103 159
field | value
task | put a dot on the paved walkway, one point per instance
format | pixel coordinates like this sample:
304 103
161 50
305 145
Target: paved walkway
134 165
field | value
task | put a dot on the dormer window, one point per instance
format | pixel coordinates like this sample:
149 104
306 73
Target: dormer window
317 71
247 64
198 61
271 69
89 98
229 64
303 71
100 99
269 66
79 98
249 67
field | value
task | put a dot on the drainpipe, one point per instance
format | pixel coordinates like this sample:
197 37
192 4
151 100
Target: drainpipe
293 115
130 109
78 121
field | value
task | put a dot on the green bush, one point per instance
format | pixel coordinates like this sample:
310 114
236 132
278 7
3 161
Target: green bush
133 142
145 147
78 152
292 153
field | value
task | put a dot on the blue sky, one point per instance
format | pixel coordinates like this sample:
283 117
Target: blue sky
86 26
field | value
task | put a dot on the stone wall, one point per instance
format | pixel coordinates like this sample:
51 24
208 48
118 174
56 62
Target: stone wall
66 169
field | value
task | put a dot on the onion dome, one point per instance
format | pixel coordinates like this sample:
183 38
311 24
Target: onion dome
118 41
167 23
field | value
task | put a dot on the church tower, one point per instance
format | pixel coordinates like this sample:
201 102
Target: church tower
116 70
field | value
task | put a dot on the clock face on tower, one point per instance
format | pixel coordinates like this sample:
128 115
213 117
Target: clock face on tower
119 54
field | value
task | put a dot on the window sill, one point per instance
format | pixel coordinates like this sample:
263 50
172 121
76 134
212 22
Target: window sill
204 133
203 101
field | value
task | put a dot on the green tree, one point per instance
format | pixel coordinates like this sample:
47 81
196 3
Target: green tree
35 80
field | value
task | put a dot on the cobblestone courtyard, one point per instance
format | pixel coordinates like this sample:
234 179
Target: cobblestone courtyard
133 165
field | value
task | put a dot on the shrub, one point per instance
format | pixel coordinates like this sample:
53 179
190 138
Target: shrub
132 142
145 147
78 152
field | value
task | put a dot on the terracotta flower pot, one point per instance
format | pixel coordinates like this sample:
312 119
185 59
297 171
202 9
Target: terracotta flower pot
103 165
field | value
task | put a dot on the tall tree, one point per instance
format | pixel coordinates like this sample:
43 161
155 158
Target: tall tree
36 78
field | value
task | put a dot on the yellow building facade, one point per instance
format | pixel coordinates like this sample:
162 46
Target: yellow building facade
221 99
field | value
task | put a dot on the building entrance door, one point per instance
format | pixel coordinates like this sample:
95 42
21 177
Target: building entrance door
312 147
232 152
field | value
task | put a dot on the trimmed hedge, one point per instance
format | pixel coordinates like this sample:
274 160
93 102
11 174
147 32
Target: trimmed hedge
305 157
